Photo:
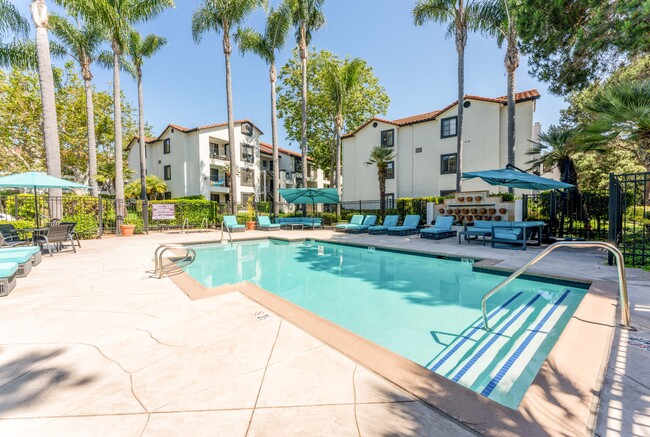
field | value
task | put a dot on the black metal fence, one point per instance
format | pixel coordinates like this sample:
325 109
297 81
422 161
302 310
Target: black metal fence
401 207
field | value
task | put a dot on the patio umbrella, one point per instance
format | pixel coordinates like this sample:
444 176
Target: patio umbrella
310 195
514 178
35 180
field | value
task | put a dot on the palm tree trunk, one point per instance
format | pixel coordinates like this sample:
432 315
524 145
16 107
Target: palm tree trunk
460 48
381 175
337 158
227 50
50 123
143 157
274 134
92 142
120 207
303 125
511 63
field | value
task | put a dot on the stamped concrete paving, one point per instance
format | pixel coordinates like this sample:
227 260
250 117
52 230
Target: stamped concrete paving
90 344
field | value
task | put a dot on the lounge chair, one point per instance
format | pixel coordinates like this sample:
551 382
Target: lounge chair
23 259
441 229
73 233
230 223
7 277
481 228
263 222
57 235
356 220
410 226
34 251
11 237
368 221
389 220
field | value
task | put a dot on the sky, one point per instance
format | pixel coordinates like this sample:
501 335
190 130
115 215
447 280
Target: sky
184 83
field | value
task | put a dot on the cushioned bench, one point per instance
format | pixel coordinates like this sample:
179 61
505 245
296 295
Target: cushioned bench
7 277
516 233
308 222
481 228
23 259
35 252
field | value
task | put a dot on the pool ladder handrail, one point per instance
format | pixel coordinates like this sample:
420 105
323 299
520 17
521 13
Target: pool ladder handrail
190 254
228 231
620 264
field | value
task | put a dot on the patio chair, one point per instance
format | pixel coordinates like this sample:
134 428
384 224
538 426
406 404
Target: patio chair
263 222
34 251
368 221
56 235
356 219
410 226
7 277
230 223
389 220
11 237
23 259
73 233
441 229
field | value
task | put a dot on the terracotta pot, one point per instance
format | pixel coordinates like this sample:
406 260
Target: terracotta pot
502 210
461 199
449 211
497 218
474 210
461 218
127 230
470 218
482 210
441 210
478 217
465 210
478 198
487 217
250 225
492 211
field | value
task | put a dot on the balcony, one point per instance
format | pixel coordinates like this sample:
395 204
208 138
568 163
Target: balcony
219 186
220 157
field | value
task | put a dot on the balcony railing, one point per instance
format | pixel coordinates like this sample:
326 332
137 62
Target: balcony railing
220 156
218 183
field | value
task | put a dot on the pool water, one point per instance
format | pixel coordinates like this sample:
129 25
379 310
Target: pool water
424 308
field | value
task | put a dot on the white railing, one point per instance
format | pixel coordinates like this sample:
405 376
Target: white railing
190 256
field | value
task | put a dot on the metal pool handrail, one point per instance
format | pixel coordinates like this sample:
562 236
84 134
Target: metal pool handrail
160 250
228 231
620 263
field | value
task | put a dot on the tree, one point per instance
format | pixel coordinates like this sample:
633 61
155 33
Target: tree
13 26
46 81
380 157
307 17
571 43
366 101
265 46
341 82
462 16
156 189
556 148
117 17
139 49
82 44
222 16
107 175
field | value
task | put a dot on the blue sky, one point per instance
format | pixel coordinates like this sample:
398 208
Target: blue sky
185 83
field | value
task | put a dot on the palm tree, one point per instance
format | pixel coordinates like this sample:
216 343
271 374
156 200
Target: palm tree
138 50
82 44
117 17
222 16
341 80
13 25
556 148
156 188
500 23
462 16
106 175
265 46
307 17
381 157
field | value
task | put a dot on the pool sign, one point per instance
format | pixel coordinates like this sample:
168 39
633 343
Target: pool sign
163 211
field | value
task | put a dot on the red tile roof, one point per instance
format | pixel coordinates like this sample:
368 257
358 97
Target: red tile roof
268 148
523 96
136 139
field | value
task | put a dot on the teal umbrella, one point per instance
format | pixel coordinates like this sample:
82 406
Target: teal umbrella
310 195
36 180
510 177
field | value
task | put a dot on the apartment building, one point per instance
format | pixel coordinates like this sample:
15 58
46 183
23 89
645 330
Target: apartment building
195 161
425 148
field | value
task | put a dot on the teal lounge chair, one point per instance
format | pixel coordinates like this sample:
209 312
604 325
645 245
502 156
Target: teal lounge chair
389 220
356 220
24 261
7 277
370 220
410 226
441 229
263 222
34 251
230 223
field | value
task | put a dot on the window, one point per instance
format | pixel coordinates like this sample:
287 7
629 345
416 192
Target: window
389 199
388 138
448 164
246 197
168 195
418 150
297 165
214 178
265 164
390 170
167 146
168 172
247 177
445 193
448 127
247 153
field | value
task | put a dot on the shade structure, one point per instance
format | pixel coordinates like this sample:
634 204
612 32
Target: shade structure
509 177
310 195
36 180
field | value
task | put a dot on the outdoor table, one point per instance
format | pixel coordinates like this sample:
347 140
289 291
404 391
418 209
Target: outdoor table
292 226
34 231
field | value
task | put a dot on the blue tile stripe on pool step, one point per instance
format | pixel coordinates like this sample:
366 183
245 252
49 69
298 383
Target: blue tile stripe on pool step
494 338
472 332
511 360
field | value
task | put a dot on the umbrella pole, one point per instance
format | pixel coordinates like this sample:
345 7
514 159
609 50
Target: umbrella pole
36 208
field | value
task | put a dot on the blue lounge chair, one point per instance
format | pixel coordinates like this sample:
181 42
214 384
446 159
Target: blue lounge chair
481 228
23 259
441 229
370 220
230 223
7 277
356 219
34 251
389 220
263 222
410 226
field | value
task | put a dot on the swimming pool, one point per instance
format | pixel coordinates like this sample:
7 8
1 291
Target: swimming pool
424 308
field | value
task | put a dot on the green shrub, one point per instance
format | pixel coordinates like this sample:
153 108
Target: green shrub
19 224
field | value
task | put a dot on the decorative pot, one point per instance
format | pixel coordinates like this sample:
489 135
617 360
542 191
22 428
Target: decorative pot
502 210
487 217
482 211
127 230
465 210
474 210
470 218
497 218
441 210
461 218
478 198
250 225
492 211
461 199
449 211
478 217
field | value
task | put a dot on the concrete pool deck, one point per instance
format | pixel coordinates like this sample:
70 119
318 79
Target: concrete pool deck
91 344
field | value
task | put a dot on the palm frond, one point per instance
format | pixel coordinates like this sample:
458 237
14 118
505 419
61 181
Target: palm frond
19 54
11 21
437 11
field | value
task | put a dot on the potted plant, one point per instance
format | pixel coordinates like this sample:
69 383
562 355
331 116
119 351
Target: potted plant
250 215
461 199
127 230
478 198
